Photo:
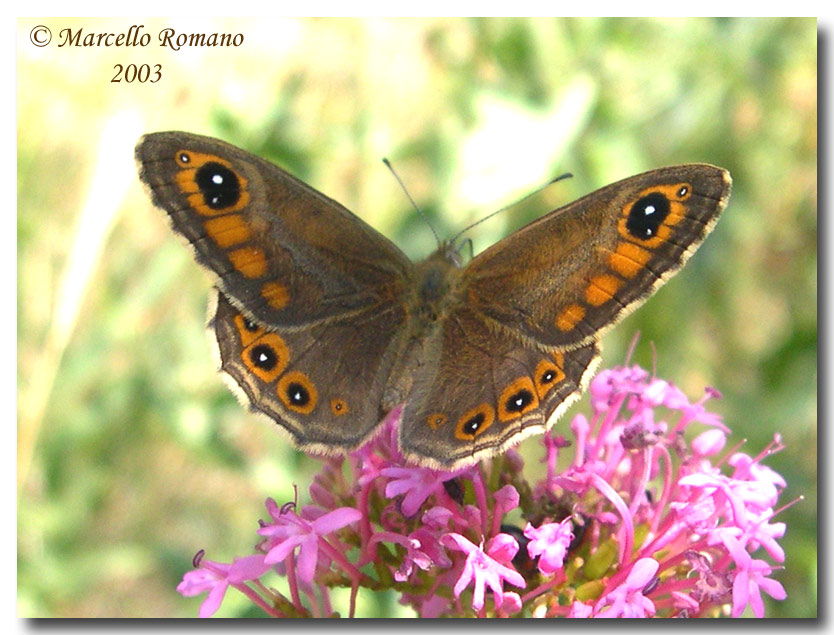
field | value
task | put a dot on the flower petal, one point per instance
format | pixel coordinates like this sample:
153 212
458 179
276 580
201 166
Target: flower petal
503 548
336 519
510 602
196 582
307 557
247 568
457 542
506 498
642 573
773 588
283 549
213 600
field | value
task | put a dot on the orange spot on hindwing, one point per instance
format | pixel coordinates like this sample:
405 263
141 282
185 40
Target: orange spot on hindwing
474 422
297 392
266 357
436 420
548 374
339 407
516 399
247 329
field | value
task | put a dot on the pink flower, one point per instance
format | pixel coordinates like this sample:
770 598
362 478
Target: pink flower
437 518
506 499
321 495
765 534
550 543
721 489
750 580
290 531
417 483
422 549
699 515
580 610
757 483
381 451
215 577
503 548
627 600
710 442
433 606
696 411
611 383
684 602
510 603
483 568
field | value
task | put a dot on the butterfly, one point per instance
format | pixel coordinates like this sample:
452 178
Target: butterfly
325 326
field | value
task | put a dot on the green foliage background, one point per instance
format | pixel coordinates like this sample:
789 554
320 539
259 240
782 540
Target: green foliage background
131 452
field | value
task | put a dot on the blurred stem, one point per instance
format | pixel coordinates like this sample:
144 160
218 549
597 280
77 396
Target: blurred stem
110 182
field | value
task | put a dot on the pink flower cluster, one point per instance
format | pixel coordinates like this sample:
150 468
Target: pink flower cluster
650 517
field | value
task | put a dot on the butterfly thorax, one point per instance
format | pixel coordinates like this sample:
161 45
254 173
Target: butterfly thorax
436 278
433 289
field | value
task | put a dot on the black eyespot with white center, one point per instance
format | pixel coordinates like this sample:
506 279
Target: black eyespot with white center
473 424
518 401
647 215
547 377
184 158
249 325
264 357
683 191
219 186
298 394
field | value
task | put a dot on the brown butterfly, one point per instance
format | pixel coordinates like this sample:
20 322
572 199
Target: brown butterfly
326 326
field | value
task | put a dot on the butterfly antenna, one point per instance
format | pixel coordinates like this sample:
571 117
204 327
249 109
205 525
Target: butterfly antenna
468 241
419 211
566 175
